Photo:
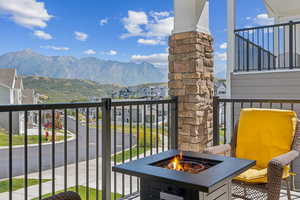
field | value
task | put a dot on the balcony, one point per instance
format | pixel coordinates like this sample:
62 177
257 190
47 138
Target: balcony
267 48
93 143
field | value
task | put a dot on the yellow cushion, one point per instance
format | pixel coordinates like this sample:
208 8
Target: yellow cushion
264 134
255 175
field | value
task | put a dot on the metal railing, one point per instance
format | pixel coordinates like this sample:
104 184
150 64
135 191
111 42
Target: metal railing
94 136
272 47
226 115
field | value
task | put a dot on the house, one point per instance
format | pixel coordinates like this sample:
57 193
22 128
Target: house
29 96
139 114
220 88
11 87
152 92
12 92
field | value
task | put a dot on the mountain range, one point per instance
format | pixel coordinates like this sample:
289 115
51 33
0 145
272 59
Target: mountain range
30 63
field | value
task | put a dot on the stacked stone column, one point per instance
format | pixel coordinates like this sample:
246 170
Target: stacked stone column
191 80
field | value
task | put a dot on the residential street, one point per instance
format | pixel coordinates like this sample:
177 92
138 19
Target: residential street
18 153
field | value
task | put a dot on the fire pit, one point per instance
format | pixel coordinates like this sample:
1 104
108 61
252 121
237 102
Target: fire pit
175 175
186 164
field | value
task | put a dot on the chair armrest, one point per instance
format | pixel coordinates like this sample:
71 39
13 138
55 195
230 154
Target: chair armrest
65 196
275 172
284 159
220 149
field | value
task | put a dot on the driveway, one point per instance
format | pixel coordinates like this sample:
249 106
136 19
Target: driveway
18 153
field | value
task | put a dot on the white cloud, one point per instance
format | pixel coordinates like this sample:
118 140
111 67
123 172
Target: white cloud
80 36
248 18
90 52
56 48
103 21
160 14
160 59
149 42
263 19
110 52
221 56
27 13
161 27
156 25
223 45
42 35
133 23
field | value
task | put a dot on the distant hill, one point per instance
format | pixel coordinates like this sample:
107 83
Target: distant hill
56 90
67 90
30 63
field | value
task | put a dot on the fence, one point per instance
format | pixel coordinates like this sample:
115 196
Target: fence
272 47
94 136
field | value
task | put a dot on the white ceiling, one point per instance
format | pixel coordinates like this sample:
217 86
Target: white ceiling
283 8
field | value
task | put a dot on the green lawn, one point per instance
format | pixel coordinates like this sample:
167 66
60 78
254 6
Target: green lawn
82 192
18 183
127 154
19 139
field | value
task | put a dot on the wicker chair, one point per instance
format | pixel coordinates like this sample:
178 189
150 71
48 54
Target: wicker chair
271 189
65 196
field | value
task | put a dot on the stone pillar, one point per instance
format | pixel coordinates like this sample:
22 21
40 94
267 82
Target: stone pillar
191 79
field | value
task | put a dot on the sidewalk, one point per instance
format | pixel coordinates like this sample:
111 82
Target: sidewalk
33 191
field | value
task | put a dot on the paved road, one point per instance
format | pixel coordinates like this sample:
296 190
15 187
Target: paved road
18 153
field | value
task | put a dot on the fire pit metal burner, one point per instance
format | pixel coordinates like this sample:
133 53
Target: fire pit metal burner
188 176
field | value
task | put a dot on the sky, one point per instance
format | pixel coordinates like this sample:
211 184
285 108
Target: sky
122 30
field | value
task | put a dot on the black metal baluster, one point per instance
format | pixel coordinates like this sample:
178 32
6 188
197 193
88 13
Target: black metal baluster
274 59
138 131
10 185
151 134
169 140
115 152
243 51
253 57
281 105
279 59
295 45
292 106
225 139
157 132
269 50
26 154
40 154
263 45
138 140
97 152
284 60
130 143
232 116
123 151
77 150
145 118
65 150
238 51
163 127
53 152
87 153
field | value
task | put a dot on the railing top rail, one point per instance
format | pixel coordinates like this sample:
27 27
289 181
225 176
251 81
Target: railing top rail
141 102
56 106
59 106
260 100
264 27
